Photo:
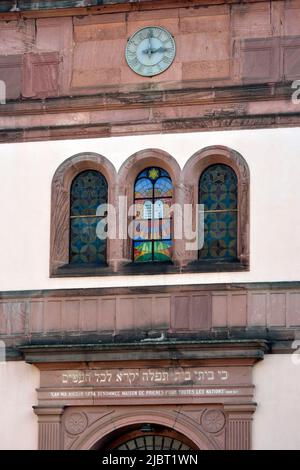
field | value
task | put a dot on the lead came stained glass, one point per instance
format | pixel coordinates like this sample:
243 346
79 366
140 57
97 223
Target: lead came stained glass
218 193
163 187
153 192
143 188
153 442
88 191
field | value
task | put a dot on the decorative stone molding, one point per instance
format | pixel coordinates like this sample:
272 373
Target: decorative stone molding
76 423
213 420
41 74
214 433
119 418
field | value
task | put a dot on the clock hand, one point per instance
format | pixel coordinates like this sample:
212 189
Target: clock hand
150 45
161 49
153 51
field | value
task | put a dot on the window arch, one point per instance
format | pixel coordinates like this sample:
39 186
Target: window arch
88 191
62 256
218 192
194 168
152 234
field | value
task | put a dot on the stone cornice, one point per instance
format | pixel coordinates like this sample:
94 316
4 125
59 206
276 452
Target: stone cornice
197 109
249 351
91 131
185 95
13 10
136 290
172 315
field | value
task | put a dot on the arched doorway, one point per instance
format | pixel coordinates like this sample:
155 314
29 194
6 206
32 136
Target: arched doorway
145 437
114 427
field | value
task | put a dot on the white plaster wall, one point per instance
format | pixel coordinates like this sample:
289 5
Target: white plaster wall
277 391
18 423
26 171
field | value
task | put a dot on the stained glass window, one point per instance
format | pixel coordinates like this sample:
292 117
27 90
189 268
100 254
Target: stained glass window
88 191
153 442
152 240
218 193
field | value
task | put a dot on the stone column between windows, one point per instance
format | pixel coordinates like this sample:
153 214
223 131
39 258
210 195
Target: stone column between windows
179 243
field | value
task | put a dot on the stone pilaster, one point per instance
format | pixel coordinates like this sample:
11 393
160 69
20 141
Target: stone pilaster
239 424
49 419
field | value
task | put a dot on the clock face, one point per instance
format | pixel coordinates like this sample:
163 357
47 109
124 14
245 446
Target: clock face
150 51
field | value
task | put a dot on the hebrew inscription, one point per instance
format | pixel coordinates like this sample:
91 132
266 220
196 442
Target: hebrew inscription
125 377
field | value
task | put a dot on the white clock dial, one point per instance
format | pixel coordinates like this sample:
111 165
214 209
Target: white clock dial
150 51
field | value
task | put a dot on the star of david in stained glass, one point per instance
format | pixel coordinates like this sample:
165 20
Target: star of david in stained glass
153 192
153 173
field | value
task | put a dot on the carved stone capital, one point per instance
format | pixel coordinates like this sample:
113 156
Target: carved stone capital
49 419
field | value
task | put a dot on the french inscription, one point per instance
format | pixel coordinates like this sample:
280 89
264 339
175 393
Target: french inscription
197 392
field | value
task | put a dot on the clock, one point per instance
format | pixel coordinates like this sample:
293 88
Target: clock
150 51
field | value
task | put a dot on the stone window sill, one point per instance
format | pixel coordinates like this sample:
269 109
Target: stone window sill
199 266
129 269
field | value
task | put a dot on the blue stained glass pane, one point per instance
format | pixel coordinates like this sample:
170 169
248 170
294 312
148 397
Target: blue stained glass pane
163 187
220 240
85 246
218 192
143 188
218 188
153 173
88 191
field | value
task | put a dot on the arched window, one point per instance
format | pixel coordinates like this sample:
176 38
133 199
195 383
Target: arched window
218 192
88 191
152 238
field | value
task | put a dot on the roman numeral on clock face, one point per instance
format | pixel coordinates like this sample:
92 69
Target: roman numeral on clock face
133 62
143 36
